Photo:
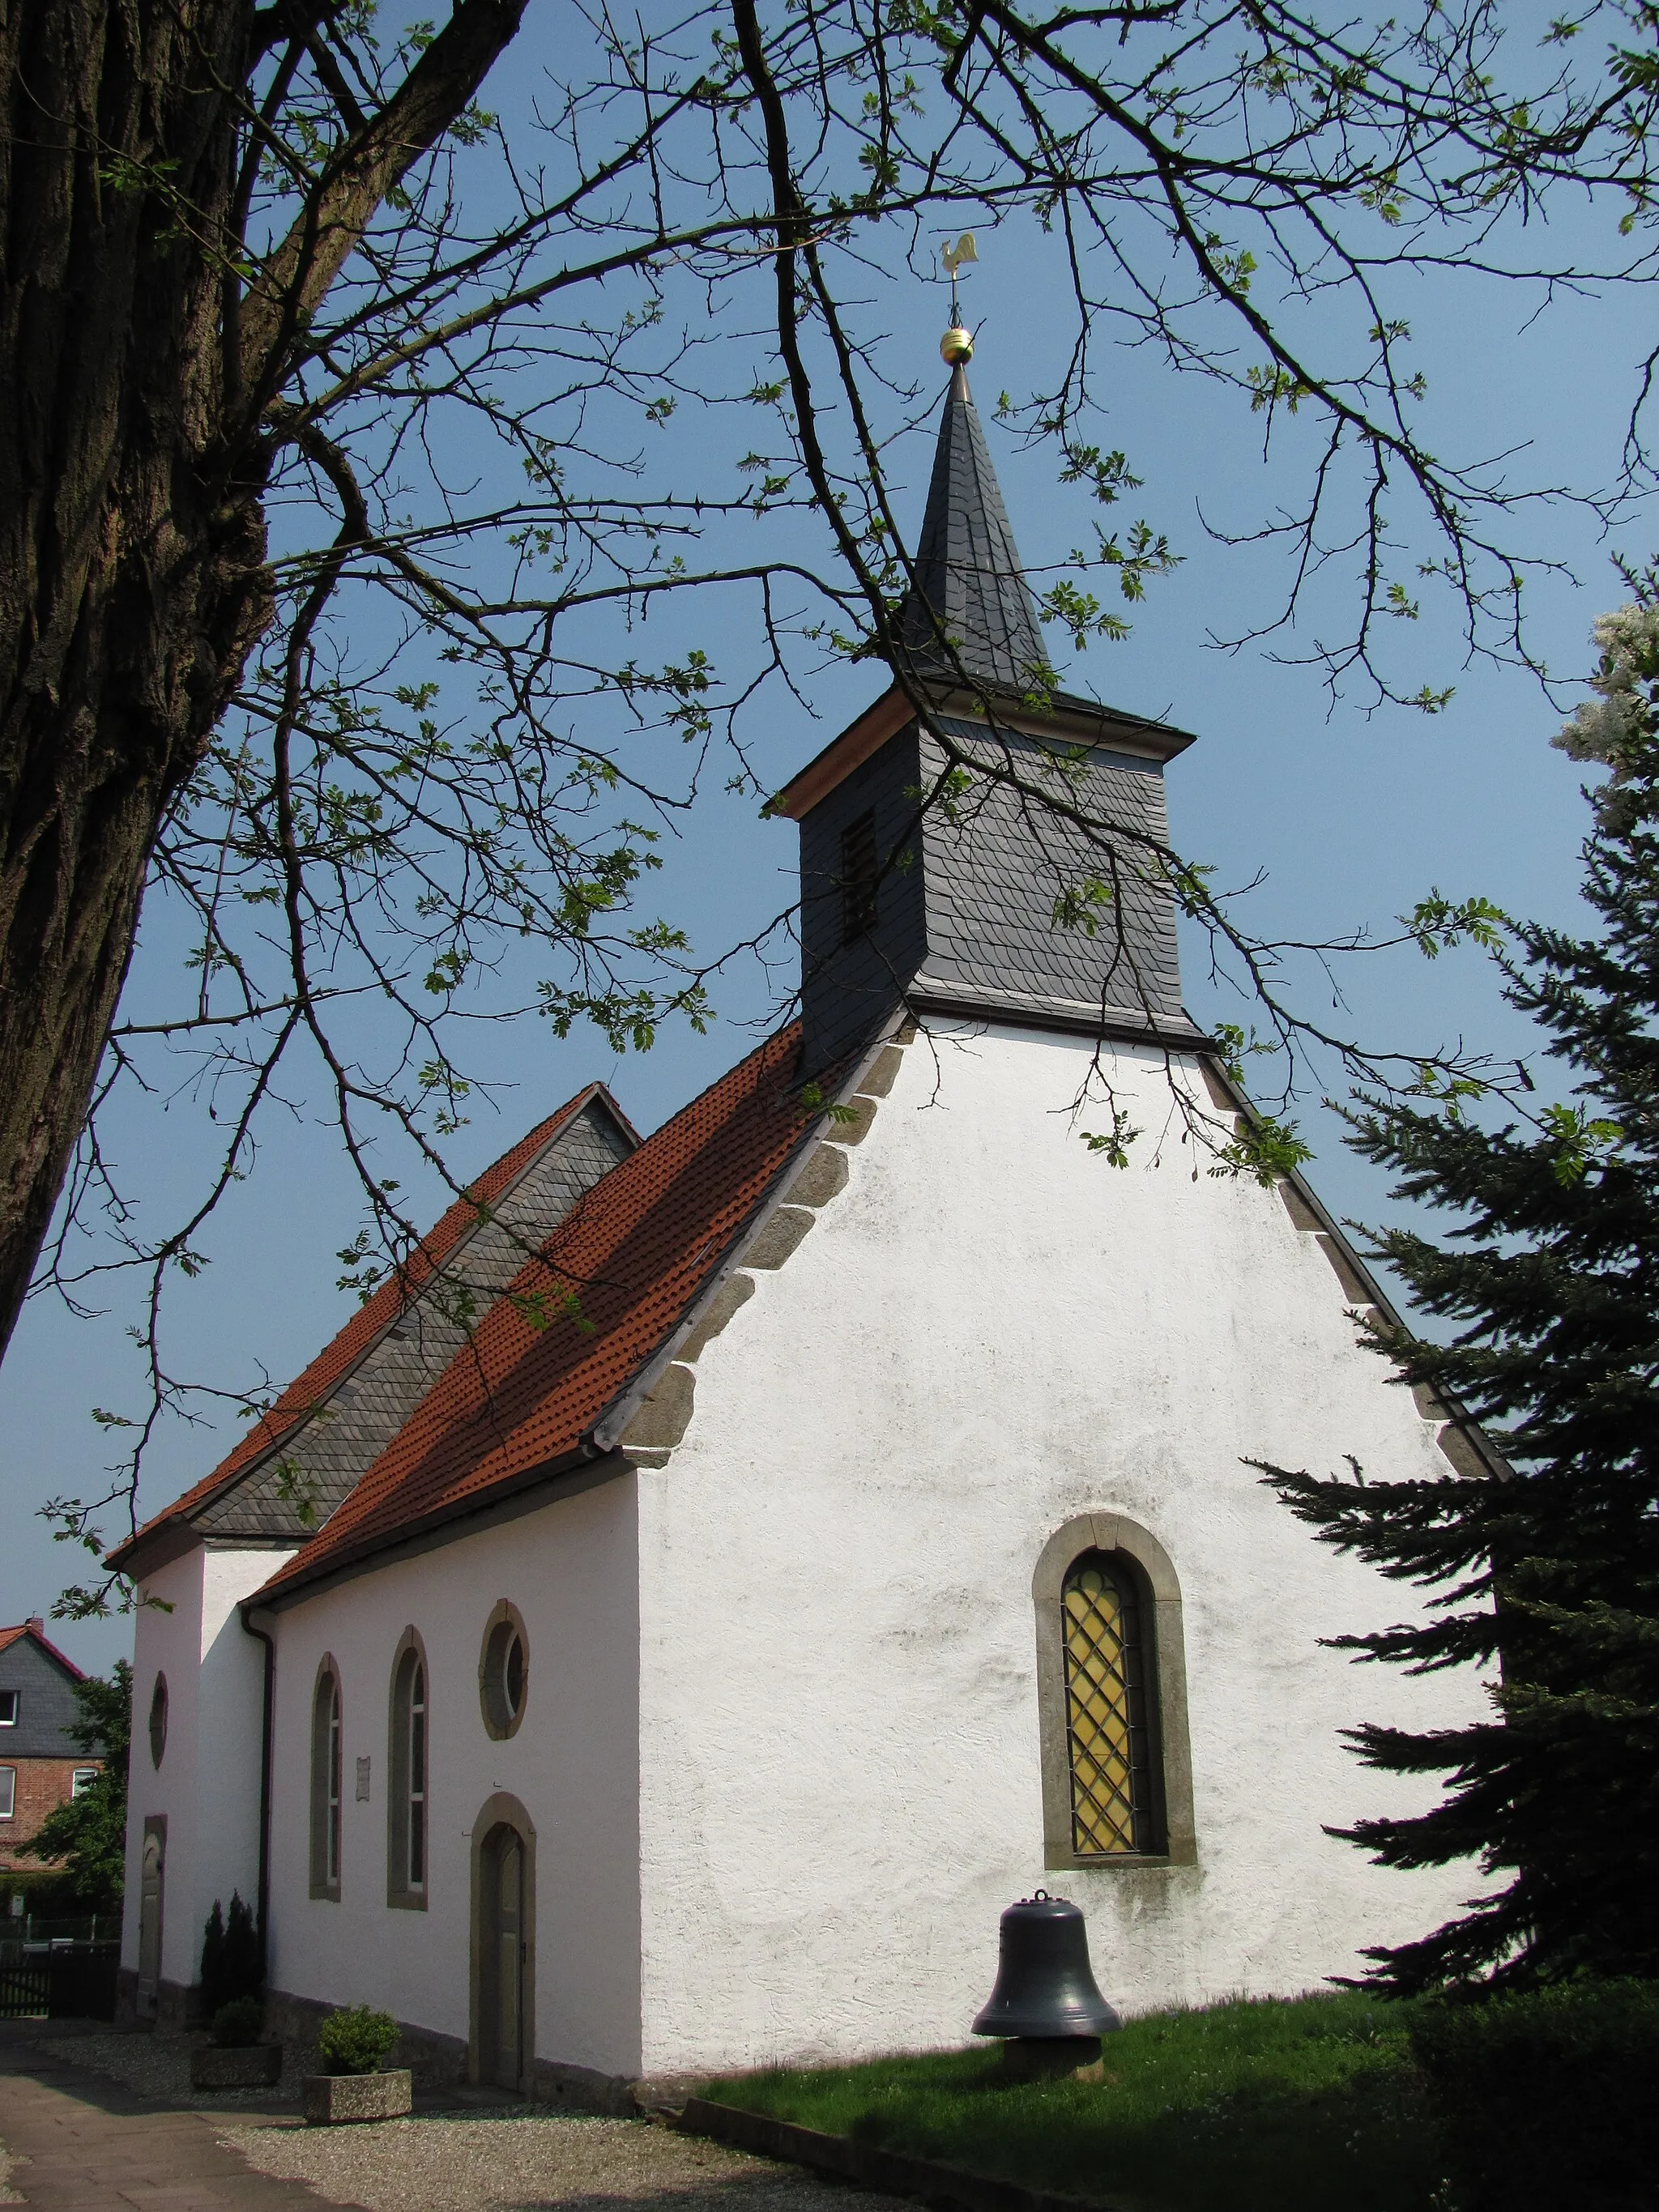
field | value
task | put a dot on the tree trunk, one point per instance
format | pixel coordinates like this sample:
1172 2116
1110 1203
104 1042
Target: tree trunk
135 440
132 576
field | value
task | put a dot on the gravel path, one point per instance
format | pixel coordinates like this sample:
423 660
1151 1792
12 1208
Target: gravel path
510 2164
465 2161
158 2066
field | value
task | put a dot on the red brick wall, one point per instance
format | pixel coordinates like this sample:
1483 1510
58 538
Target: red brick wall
41 1784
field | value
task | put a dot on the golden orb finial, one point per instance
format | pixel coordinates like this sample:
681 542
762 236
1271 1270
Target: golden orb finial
956 346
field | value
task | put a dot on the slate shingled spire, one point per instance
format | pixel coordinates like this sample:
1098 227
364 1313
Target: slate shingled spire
953 911
968 579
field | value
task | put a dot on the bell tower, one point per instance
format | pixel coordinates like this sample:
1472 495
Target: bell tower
945 835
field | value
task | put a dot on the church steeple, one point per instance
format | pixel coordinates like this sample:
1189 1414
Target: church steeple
969 584
953 910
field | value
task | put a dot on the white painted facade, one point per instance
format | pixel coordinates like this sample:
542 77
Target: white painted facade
779 1750
572 1764
190 1628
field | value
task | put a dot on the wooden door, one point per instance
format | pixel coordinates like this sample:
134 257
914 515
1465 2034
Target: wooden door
151 1879
509 1952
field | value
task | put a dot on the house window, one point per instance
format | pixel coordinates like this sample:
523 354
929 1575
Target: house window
1106 1707
858 878
7 1708
326 1772
1117 1782
407 1824
82 1780
8 1792
503 1672
158 1721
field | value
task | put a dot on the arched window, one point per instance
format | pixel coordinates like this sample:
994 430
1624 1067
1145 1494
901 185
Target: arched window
407 1822
1112 1699
327 1764
1107 1751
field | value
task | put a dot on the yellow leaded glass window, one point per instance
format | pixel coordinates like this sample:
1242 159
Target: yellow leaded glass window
1105 1709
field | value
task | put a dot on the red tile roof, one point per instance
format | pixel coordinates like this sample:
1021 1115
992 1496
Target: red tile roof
9 1636
527 1393
376 1314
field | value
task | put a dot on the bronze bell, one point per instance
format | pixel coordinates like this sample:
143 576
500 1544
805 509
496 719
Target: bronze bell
1045 2001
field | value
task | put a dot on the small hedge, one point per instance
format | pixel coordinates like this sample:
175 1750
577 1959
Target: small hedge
355 2041
240 2023
232 1965
1547 2100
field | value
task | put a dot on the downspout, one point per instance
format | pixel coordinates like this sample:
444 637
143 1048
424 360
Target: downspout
252 1617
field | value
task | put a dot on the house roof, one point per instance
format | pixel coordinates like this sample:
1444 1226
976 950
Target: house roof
525 1395
10 1636
371 1321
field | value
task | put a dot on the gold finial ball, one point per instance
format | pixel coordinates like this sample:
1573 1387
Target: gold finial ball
956 345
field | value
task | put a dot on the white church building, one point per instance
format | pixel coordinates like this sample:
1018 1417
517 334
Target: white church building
689 1684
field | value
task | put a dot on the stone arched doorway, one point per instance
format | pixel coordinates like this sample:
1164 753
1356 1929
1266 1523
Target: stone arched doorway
504 2010
151 1886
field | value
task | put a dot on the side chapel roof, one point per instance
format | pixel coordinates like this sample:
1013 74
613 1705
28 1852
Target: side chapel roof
527 1393
238 1497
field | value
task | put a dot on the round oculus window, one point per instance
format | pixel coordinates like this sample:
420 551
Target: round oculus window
505 1672
158 1720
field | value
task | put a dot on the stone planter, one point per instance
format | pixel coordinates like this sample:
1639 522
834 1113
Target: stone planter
254 2066
333 2098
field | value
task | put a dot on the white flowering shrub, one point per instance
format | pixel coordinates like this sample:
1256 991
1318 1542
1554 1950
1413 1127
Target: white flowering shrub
1627 682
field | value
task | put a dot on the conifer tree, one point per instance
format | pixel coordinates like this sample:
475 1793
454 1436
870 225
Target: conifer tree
1545 1576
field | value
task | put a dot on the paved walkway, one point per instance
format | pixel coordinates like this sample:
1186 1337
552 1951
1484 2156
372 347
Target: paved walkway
81 2142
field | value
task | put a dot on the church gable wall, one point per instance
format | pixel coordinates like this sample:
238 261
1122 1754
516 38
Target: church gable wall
977 1334
566 1573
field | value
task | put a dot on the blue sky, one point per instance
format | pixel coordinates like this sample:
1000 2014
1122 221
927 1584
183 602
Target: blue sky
1352 816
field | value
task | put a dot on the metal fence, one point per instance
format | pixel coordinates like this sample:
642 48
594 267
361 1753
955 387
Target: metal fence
59 1981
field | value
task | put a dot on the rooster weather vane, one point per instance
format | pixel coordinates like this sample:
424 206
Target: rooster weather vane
957 344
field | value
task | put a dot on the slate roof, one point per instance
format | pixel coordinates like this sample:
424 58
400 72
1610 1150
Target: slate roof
330 1423
526 1395
993 871
9 1636
969 577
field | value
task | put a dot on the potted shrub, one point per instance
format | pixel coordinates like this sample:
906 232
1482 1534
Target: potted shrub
237 2058
350 2046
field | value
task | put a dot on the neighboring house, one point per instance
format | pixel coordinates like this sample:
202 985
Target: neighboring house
691 1683
41 1765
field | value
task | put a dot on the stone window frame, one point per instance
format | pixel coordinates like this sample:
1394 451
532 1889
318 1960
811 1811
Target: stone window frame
502 1809
327 1763
499 1725
400 1892
157 1726
1103 1530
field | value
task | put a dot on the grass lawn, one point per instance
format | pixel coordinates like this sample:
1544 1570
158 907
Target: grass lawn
1305 2106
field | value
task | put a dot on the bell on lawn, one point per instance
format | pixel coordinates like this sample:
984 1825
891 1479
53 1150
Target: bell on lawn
1045 2001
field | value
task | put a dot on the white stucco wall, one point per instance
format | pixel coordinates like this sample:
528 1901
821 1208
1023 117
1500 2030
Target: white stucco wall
987 1333
208 1784
571 1569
